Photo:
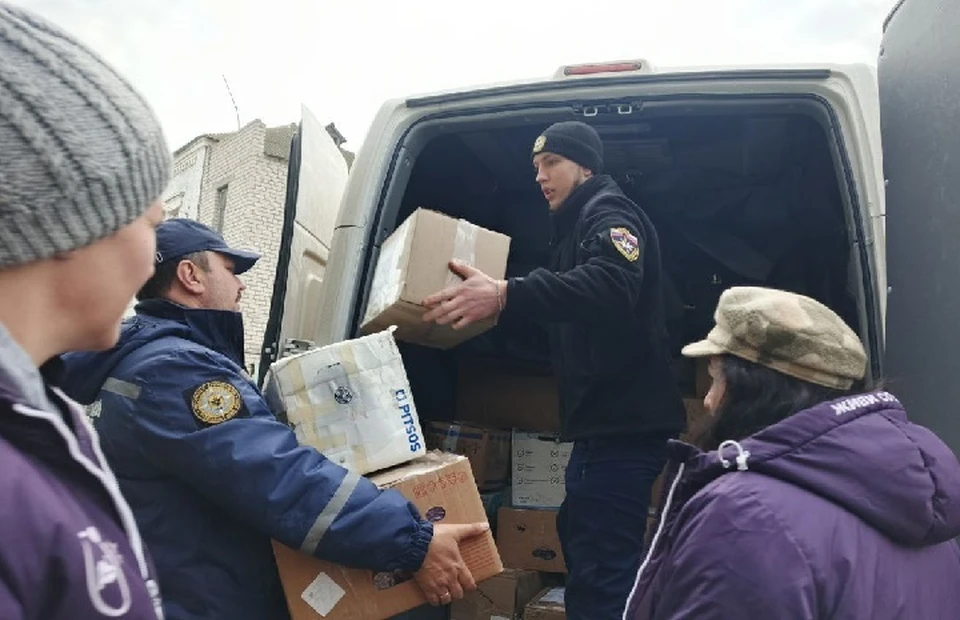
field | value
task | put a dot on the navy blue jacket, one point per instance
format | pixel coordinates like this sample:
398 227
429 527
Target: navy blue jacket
212 476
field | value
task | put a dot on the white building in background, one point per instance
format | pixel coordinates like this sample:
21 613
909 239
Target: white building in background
236 183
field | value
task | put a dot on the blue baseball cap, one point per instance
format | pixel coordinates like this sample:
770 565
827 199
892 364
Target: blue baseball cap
178 237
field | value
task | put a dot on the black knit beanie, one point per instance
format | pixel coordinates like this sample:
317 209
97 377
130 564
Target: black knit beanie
574 140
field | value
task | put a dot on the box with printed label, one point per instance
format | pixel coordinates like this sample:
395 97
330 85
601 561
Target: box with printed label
441 486
414 263
548 605
528 539
487 448
539 466
351 401
499 598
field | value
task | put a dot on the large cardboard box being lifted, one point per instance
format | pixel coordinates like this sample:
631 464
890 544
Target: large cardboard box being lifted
441 486
351 401
414 264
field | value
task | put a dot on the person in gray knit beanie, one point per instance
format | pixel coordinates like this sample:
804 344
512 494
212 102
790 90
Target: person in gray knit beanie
83 163
82 153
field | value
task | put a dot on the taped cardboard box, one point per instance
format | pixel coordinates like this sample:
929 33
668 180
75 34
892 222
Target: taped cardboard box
539 468
548 605
503 597
528 540
441 486
487 448
504 394
351 401
414 264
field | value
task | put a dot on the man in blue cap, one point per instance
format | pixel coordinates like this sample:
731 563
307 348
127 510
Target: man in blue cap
211 475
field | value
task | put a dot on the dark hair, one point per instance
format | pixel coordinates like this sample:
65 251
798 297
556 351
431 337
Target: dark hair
158 285
754 398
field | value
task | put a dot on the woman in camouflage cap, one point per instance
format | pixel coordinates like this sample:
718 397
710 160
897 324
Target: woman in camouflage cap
805 498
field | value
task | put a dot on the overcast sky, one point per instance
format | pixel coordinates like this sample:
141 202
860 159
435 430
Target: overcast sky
343 59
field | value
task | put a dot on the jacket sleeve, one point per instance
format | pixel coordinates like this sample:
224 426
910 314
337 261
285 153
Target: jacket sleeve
252 466
732 558
10 608
605 284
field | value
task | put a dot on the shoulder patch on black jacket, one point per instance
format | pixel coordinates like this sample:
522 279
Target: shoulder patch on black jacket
626 243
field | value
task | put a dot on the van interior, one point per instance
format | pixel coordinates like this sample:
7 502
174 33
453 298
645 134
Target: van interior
745 193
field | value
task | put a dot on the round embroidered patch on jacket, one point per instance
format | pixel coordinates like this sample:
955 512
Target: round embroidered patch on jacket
215 402
626 243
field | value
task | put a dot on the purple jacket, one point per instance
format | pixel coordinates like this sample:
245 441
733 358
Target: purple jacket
69 547
846 510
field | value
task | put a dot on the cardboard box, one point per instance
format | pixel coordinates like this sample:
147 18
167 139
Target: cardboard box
502 394
503 597
414 264
548 605
488 450
442 488
528 539
351 401
539 467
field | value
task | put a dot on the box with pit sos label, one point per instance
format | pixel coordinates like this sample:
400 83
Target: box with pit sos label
350 400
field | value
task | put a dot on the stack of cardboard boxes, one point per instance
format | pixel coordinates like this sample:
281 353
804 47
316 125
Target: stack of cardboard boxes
519 406
498 457
506 419
353 402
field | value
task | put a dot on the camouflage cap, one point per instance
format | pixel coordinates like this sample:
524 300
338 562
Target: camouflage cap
790 333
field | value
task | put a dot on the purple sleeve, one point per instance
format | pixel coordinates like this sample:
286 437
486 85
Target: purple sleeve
732 558
10 608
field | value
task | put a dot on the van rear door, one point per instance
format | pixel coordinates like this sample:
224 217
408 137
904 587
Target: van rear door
920 124
316 177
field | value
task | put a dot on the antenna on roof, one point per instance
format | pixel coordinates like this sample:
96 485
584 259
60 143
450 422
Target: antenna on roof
232 100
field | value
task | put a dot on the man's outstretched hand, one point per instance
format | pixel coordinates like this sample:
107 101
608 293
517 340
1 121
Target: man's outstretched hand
444 576
477 298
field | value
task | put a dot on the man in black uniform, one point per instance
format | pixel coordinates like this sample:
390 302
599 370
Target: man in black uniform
601 301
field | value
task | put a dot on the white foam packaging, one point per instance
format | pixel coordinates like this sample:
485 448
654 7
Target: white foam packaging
351 401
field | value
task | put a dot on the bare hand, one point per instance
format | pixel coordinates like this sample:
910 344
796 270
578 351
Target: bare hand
474 299
444 575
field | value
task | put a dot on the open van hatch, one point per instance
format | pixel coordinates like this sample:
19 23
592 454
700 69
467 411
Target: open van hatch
742 191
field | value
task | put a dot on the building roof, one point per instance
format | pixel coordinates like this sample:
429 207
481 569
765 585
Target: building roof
276 140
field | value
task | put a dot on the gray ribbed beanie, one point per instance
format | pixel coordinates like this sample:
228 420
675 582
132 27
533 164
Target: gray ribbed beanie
81 153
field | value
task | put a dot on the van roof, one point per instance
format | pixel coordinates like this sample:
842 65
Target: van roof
642 70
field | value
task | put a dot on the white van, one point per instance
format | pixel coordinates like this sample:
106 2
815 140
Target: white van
761 175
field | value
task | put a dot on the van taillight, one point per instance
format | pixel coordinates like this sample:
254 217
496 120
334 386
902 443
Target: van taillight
615 67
